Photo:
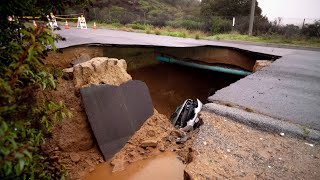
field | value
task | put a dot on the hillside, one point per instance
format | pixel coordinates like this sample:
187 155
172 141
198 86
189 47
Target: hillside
155 12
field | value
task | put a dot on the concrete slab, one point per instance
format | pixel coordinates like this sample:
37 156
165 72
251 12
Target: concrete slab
115 113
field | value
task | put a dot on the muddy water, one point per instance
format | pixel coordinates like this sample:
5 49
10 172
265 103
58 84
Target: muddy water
171 84
165 166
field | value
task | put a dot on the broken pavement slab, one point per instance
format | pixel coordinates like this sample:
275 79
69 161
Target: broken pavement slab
288 90
115 113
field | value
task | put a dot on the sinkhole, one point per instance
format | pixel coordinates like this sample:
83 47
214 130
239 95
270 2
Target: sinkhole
172 83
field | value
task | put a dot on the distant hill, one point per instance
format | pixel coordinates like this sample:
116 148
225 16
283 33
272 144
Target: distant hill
155 12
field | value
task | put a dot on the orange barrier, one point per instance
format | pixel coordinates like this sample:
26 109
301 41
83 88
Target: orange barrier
94 25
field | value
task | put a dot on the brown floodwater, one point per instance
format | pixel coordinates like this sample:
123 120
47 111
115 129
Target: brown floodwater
164 166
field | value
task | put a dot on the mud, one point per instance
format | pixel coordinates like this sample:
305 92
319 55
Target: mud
171 84
163 166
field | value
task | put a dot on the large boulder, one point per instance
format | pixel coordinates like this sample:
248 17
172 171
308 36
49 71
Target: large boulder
101 70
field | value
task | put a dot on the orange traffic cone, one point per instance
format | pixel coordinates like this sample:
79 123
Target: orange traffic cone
66 25
94 25
35 24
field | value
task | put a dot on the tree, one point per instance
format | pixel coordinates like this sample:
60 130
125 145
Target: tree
225 10
228 8
26 120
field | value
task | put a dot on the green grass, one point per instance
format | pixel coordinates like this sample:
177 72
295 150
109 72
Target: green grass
234 36
149 29
276 39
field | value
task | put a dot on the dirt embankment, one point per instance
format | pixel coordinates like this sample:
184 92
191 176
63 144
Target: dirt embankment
72 142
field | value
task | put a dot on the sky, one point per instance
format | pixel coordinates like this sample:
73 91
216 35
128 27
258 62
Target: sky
291 11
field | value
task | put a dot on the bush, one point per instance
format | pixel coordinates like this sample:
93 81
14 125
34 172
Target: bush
220 25
157 31
138 26
185 23
312 30
25 120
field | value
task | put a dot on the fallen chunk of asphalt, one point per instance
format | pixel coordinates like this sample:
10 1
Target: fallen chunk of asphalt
116 112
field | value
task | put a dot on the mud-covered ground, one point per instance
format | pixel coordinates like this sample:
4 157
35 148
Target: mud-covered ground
224 149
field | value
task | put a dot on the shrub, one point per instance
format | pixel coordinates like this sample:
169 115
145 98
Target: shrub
312 30
185 23
220 25
157 31
25 120
137 26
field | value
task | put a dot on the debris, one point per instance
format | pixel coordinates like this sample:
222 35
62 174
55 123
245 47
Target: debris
281 134
91 169
260 64
182 140
205 143
186 116
151 133
149 143
100 70
75 157
269 167
161 148
68 73
228 150
177 133
118 165
309 144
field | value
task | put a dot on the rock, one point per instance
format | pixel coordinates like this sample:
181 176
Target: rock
161 148
89 162
151 133
149 143
118 165
68 73
91 169
205 143
260 64
177 133
75 157
101 70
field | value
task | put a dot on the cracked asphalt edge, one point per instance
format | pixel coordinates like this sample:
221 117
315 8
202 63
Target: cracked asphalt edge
263 122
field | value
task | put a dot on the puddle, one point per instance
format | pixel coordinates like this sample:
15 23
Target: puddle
163 166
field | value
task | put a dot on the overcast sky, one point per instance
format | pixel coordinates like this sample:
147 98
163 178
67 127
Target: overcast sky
291 11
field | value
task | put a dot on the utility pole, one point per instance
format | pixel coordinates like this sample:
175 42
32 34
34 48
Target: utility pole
253 6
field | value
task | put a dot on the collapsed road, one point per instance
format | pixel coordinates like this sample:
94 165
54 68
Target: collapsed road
292 82
220 142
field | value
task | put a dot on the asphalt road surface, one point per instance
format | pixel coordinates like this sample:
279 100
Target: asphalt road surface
287 90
